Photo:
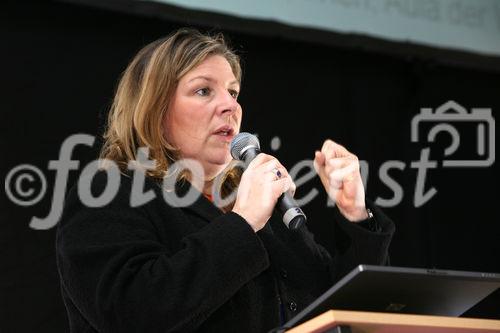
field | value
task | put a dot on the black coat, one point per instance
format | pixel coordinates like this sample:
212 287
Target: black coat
156 268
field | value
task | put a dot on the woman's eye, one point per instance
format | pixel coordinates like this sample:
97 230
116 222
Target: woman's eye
203 91
234 93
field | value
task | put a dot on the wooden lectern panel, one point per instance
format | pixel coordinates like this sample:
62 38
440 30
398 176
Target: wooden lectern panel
376 322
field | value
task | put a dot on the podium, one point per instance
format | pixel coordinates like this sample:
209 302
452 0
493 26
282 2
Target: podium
341 321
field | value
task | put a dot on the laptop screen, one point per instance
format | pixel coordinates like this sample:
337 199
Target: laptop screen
409 290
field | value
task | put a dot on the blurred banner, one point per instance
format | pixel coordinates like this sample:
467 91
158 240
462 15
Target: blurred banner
464 25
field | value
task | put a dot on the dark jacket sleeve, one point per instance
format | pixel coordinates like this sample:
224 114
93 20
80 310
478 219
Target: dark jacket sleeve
354 245
121 278
358 245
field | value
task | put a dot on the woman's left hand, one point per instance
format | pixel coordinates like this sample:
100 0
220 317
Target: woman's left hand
339 172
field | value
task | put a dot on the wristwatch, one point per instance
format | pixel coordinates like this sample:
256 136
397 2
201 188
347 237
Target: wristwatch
370 223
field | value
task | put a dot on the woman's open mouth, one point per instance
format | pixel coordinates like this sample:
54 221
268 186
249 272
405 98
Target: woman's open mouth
225 132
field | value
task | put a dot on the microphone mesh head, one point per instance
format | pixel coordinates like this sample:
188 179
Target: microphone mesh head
241 142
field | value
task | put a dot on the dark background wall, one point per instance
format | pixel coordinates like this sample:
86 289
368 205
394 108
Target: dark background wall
60 64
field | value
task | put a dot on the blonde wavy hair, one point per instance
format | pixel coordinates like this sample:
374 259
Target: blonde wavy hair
143 94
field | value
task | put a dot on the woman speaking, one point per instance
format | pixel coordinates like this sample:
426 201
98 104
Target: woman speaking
137 265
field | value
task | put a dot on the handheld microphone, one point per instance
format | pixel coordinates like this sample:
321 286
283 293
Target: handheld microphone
245 147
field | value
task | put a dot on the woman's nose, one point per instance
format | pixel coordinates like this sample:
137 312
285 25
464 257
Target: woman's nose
228 103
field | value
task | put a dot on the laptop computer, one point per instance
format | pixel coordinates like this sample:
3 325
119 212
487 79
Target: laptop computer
407 290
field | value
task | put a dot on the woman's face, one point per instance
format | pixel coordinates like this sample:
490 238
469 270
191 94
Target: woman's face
204 115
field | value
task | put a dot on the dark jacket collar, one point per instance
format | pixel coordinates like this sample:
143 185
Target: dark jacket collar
202 206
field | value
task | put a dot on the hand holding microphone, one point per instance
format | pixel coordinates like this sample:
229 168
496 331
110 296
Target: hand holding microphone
264 185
